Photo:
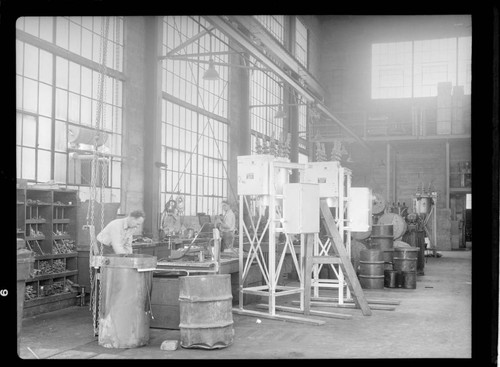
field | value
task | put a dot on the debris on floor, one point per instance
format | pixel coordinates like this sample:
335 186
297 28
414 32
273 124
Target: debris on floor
169 345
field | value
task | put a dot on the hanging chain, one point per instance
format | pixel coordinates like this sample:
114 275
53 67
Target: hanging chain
94 170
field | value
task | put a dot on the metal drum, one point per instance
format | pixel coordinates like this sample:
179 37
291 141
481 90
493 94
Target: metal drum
399 244
405 258
390 280
397 221
378 203
206 316
383 230
409 280
371 269
125 306
361 235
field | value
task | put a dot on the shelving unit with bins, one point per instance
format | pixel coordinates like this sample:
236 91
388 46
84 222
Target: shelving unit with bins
48 218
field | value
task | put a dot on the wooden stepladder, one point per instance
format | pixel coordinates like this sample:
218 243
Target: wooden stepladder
342 259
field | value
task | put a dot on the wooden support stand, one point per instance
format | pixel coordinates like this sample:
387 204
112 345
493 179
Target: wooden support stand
345 263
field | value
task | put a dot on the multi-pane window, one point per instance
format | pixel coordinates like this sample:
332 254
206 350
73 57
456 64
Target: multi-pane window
391 70
266 98
194 147
275 24
464 52
434 62
57 97
300 42
194 115
413 69
302 117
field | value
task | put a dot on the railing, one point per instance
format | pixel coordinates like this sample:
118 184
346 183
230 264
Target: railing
419 124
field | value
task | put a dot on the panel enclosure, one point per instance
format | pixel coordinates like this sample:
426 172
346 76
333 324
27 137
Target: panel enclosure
253 174
326 174
360 205
301 208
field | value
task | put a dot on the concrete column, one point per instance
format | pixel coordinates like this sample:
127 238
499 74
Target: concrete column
388 173
293 129
152 134
239 120
447 173
132 177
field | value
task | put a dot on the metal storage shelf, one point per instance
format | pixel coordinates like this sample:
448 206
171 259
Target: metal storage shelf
59 221
47 211
35 238
56 256
48 299
52 276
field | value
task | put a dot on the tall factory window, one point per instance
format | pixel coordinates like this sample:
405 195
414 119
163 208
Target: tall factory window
300 42
194 116
275 24
413 69
57 95
464 63
434 62
266 98
391 70
302 111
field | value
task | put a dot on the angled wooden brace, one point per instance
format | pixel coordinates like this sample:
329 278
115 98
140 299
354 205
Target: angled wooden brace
345 263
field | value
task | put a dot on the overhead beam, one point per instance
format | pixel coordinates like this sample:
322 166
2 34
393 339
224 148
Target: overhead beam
243 40
187 42
257 29
179 58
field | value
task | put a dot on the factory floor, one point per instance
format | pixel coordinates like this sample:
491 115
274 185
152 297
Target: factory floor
431 321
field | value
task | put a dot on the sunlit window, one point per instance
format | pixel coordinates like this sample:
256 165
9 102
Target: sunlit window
414 69
275 24
55 94
194 116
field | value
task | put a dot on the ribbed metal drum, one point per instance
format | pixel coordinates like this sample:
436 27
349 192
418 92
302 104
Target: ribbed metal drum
397 221
405 258
124 309
409 280
206 318
371 269
382 230
390 280
382 237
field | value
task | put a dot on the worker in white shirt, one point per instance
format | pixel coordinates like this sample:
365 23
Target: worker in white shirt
118 234
226 223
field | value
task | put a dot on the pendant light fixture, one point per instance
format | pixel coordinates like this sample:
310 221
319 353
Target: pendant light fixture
211 73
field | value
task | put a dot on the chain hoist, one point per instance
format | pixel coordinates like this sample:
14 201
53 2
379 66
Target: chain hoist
96 250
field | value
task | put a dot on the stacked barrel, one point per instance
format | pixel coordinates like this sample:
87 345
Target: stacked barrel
405 264
371 269
382 238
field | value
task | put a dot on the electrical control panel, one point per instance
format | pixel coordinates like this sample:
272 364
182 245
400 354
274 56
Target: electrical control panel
360 209
300 208
253 174
326 174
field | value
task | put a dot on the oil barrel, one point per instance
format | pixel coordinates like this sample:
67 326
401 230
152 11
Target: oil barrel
206 318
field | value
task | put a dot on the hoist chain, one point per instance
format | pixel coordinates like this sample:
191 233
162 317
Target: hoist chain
94 281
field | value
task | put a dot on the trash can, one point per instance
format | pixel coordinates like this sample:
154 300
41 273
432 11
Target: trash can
125 299
25 260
